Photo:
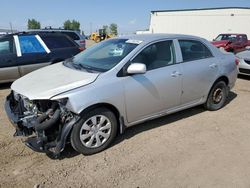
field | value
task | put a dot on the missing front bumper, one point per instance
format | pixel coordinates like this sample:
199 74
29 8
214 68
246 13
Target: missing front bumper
38 139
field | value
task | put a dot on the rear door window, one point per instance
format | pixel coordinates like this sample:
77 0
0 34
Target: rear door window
6 46
30 44
55 42
7 54
194 50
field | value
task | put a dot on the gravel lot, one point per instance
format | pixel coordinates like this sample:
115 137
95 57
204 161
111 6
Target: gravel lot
193 148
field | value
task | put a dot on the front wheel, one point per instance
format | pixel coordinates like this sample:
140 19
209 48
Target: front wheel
217 96
94 131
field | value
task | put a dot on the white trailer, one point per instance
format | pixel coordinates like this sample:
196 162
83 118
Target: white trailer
206 23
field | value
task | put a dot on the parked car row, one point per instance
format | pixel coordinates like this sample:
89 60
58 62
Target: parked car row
22 53
244 62
231 42
74 35
90 98
239 45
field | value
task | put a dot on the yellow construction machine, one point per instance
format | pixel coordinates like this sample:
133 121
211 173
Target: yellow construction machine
100 36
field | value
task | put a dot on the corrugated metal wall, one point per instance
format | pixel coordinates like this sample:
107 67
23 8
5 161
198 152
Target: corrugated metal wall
204 23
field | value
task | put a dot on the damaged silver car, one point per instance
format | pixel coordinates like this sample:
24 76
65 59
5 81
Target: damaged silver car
88 99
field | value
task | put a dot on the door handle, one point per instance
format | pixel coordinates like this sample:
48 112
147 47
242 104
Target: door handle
175 74
212 66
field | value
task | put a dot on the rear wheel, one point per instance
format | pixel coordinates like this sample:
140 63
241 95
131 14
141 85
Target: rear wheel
94 132
217 96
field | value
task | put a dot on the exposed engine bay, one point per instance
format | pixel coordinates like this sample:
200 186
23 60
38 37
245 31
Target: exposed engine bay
46 123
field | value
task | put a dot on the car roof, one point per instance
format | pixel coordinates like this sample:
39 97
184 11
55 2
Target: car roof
232 34
153 37
33 33
55 30
40 34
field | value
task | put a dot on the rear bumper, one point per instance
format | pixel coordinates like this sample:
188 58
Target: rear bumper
244 71
244 67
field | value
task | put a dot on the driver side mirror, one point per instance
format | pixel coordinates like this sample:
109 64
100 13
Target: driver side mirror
137 68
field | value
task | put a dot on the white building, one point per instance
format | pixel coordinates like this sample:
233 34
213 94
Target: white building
207 23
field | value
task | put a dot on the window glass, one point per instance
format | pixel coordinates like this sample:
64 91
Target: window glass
6 46
57 41
157 55
230 37
72 35
30 44
244 38
240 38
192 50
103 56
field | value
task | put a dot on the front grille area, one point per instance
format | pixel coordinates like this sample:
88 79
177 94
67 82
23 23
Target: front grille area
247 61
245 71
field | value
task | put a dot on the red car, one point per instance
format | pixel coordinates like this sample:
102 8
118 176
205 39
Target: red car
231 42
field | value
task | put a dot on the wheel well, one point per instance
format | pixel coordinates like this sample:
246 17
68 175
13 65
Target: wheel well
222 78
108 106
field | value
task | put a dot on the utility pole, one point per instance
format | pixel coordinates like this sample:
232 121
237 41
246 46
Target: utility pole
11 27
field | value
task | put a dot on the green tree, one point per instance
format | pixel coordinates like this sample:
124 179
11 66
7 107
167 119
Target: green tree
106 28
113 29
72 25
67 24
33 24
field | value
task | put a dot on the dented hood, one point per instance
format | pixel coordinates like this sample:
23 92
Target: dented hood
51 80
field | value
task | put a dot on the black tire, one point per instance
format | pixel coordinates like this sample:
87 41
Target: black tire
217 96
76 142
231 50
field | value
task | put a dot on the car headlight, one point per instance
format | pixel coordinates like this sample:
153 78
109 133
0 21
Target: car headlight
63 101
16 96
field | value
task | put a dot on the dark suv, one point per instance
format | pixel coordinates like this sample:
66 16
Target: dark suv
22 53
74 35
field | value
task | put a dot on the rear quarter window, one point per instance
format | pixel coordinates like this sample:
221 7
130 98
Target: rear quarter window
194 50
30 44
72 35
6 46
56 42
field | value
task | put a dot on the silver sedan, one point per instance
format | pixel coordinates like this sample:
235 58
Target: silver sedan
244 62
91 97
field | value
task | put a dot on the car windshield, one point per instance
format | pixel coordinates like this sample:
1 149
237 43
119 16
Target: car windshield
103 56
226 37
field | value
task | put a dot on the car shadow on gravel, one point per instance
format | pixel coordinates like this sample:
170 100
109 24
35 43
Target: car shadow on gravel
165 120
69 152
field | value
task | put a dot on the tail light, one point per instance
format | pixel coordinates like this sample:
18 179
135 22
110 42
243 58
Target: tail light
81 49
237 61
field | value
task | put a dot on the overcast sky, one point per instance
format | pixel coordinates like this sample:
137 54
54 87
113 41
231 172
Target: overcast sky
130 15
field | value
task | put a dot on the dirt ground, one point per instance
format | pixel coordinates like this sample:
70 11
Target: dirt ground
193 148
